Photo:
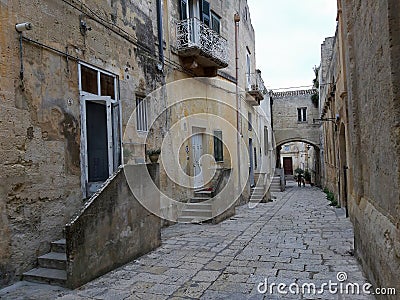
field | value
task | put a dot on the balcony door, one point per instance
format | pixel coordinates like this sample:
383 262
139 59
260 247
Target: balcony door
248 70
190 9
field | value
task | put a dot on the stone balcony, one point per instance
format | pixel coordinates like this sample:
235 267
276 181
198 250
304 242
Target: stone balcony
201 47
255 89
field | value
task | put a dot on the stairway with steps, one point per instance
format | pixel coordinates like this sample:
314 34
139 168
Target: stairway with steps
196 210
257 193
51 266
276 184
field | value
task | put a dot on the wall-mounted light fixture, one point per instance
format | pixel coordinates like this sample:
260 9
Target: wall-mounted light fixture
20 27
23 26
83 27
333 120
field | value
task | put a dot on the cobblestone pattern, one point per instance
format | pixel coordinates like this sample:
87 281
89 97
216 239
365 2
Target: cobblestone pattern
297 238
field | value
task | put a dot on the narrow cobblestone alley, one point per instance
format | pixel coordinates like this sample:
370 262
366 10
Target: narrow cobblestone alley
297 238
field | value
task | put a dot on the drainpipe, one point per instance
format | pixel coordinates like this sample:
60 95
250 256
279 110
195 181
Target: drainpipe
237 20
161 61
160 32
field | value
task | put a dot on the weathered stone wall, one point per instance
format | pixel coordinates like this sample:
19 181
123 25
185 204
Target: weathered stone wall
372 40
40 127
246 42
286 125
113 227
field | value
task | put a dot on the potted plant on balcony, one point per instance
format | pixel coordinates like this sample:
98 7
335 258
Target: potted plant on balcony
153 154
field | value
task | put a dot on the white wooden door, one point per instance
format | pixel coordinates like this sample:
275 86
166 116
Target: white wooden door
197 148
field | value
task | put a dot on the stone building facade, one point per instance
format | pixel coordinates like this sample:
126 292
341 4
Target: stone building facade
361 93
72 86
295 121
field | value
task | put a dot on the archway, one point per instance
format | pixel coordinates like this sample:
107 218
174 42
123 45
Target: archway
306 157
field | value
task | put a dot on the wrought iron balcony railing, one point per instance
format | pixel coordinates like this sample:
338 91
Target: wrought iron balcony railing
196 38
255 82
255 87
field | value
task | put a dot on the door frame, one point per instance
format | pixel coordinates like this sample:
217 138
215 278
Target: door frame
286 158
108 102
251 162
117 145
200 132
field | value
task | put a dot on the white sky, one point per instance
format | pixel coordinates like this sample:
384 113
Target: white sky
289 34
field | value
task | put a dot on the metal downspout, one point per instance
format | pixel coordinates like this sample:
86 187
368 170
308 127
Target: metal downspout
237 20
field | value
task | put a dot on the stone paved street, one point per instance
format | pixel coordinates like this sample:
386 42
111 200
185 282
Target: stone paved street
297 238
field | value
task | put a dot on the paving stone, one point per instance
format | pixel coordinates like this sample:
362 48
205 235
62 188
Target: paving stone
208 276
296 239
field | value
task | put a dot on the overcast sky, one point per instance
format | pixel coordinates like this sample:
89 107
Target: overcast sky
289 34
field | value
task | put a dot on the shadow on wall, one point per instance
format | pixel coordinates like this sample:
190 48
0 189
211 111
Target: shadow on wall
112 228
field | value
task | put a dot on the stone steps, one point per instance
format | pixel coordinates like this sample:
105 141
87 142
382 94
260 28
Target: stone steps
51 266
46 275
257 193
276 184
196 211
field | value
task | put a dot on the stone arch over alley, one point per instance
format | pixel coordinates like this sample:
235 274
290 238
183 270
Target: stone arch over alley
294 120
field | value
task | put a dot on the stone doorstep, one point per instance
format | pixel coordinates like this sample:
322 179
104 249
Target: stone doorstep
58 246
47 275
201 206
196 213
53 260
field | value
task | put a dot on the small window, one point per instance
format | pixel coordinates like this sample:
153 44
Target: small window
141 114
215 22
250 121
287 148
107 85
302 114
89 80
218 146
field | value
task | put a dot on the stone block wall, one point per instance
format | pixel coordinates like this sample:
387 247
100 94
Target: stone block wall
372 40
40 117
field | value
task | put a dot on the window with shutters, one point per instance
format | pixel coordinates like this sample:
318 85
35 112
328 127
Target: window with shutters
250 121
215 22
205 12
184 9
218 146
248 68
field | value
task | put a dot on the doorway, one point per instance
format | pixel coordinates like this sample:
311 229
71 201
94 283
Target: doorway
288 165
100 140
251 167
197 149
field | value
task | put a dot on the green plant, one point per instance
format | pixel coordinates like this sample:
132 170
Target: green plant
153 151
299 171
326 191
315 95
